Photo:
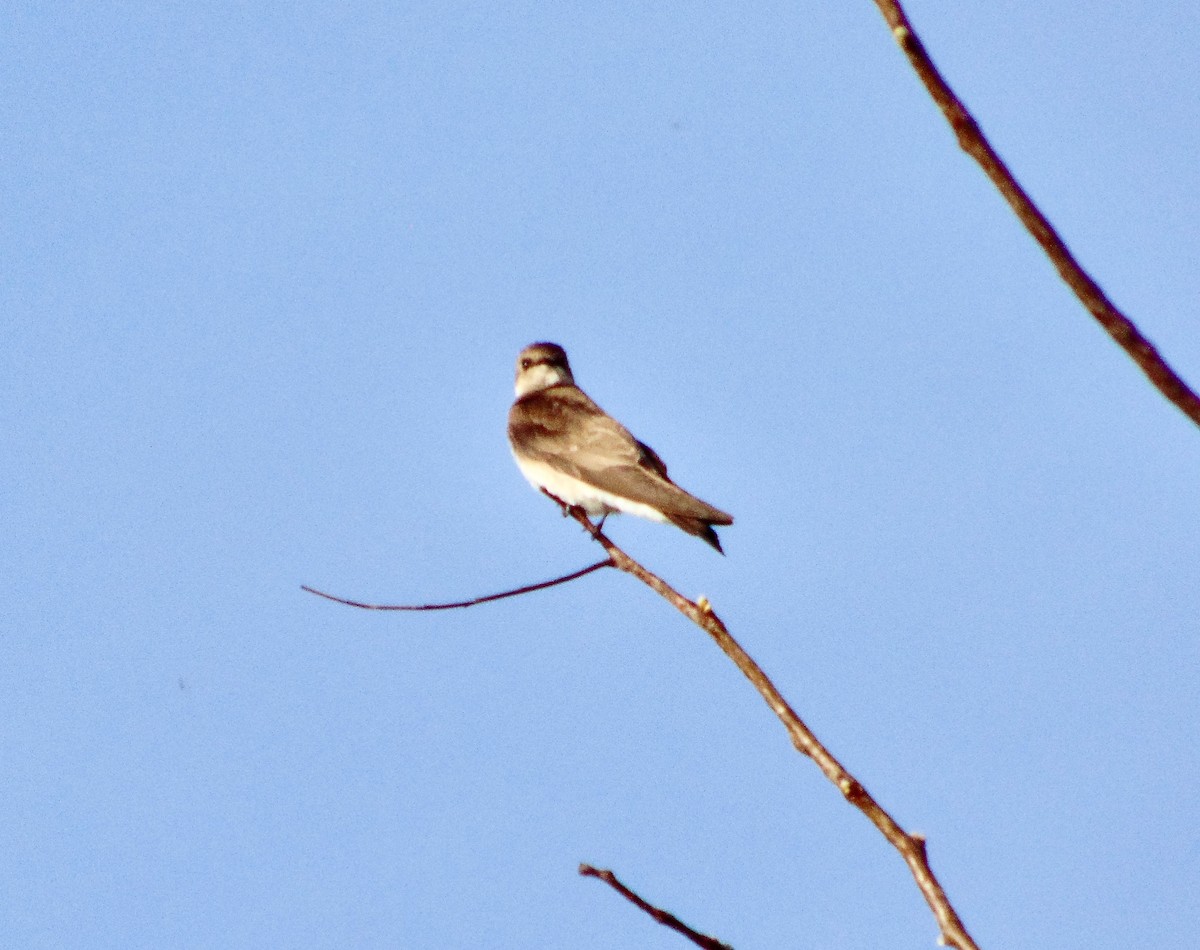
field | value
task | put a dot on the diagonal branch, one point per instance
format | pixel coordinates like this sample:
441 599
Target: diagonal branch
662 916
972 141
528 589
910 846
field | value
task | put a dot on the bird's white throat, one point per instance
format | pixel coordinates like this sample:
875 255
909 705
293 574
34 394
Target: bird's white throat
541 376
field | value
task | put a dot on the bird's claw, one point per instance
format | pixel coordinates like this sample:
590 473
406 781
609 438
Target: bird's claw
566 509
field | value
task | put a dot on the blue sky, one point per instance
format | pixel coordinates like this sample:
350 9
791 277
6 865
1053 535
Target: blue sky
265 273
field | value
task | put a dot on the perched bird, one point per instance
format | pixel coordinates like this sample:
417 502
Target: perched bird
573 450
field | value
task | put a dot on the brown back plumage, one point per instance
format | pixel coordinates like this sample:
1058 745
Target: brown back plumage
562 427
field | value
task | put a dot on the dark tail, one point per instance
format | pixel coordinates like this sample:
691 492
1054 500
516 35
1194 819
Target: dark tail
701 529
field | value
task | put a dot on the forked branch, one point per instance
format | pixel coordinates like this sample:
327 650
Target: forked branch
911 847
972 141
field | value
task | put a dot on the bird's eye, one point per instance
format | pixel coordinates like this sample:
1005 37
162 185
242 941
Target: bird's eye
526 363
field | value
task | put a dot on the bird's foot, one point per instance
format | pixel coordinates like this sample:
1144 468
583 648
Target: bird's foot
566 509
576 511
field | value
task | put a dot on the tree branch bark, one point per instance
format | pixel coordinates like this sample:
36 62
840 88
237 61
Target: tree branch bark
911 847
662 916
972 141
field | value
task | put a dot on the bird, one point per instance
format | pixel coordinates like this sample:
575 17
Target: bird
579 455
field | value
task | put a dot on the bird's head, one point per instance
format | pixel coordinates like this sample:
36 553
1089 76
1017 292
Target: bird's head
540 366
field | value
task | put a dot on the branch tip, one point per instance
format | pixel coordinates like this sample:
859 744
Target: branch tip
665 918
527 589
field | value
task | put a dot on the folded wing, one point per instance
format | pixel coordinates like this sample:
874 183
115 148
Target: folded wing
562 427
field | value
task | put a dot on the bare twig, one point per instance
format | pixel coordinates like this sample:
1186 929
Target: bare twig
911 847
662 916
972 141
528 589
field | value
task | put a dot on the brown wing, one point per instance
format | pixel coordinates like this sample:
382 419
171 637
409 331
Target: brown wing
562 427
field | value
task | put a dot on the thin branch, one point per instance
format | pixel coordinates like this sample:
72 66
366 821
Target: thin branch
528 589
662 916
972 141
911 847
